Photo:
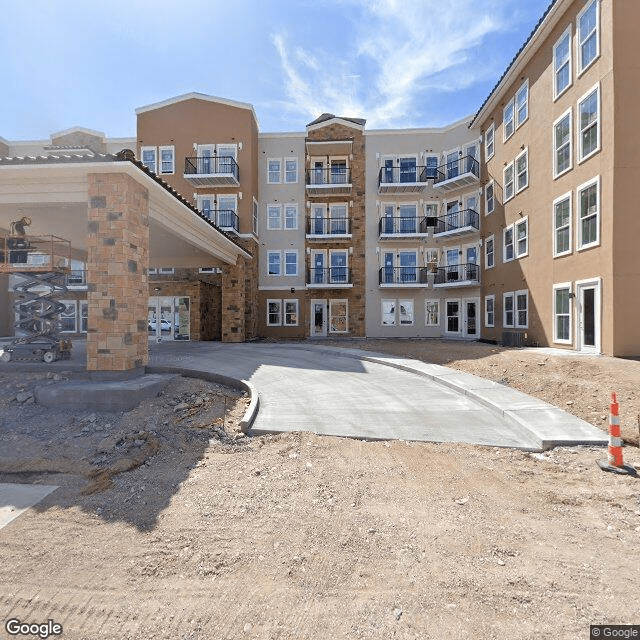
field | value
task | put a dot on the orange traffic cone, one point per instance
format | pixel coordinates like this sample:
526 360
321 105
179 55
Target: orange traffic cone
615 462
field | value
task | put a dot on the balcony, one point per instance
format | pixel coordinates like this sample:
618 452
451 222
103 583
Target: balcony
457 223
403 276
226 219
402 227
335 180
328 228
329 277
457 275
410 179
460 173
211 171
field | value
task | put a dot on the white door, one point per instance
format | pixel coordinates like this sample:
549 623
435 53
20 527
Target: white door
471 323
318 318
588 316
206 158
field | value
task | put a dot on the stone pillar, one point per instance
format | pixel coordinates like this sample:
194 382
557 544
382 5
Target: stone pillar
233 301
117 261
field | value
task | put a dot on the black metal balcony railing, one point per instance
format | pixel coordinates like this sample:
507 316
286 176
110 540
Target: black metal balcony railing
403 275
406 174
466 219
401 225
456 273
76 278
461 167
223 218
328 226
338 175
210 165
329 276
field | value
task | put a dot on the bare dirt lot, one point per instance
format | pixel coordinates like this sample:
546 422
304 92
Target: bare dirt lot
169 524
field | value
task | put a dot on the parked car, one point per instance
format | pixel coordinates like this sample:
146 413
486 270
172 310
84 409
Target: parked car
165 325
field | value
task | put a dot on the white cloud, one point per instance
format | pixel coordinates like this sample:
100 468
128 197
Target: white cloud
399 51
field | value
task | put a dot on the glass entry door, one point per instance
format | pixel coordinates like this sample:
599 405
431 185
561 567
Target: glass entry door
169 317
471 324
318 318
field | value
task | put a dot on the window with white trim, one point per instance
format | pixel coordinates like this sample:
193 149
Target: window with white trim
432 313
397 312
282 313
291 313
589 214
562 313
522 103
562 63
489 198
274 313
507 119
68 317
522 171
489 311
84 316
148 156
290 263
274 215
589 124
431 260
338 316
522 309
490 142
291 216
274 169
291 170
562 137
274 258
167 159
562 225
588 24
521 232
453 316
507 244
507 310
507 174
489 252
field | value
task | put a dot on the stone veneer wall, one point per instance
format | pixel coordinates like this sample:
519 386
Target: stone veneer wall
357 264
118 255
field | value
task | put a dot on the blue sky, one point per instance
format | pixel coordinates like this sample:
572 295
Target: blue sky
90 63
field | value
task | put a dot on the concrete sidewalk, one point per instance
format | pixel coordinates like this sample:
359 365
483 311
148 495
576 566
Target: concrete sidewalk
360 394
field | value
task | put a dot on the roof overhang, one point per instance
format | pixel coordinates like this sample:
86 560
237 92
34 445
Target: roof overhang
329 147
55 197
336 120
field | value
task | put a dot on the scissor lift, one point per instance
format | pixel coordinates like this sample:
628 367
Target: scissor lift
38 266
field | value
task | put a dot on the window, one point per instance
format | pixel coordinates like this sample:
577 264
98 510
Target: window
84 316
166 270
490 142
273 258
522 171
274 166
432 313
388 313
273 217
562 63
589 212
489 252
338 316
522 237
149 158
489 198
290 216
589 124
405 310
291 313
167 164
290 263
508 181
68 322
562 225
507 244
489 311
587 29
522 309
338 219
562 154
507 119
274 312
291 170
431 259
507 310
255 216
522 103
338 273
562 313
432 167
453 316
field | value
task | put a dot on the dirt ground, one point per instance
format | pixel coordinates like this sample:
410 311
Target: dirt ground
170 524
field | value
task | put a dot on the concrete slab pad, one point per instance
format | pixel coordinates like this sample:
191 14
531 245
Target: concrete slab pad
15 499
505 399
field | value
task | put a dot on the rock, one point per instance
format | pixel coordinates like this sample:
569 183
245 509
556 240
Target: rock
371 530
92 417
308 466
501 563
397 612
181 407
569 402
23 396
463 500
198 402
138 443
57 377
247 627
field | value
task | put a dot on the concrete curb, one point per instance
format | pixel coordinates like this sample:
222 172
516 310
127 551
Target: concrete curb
519 409
244 385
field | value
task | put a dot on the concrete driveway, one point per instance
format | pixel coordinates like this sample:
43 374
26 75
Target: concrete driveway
360 394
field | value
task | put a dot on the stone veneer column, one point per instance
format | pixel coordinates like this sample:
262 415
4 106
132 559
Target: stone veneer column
117 260
233 301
